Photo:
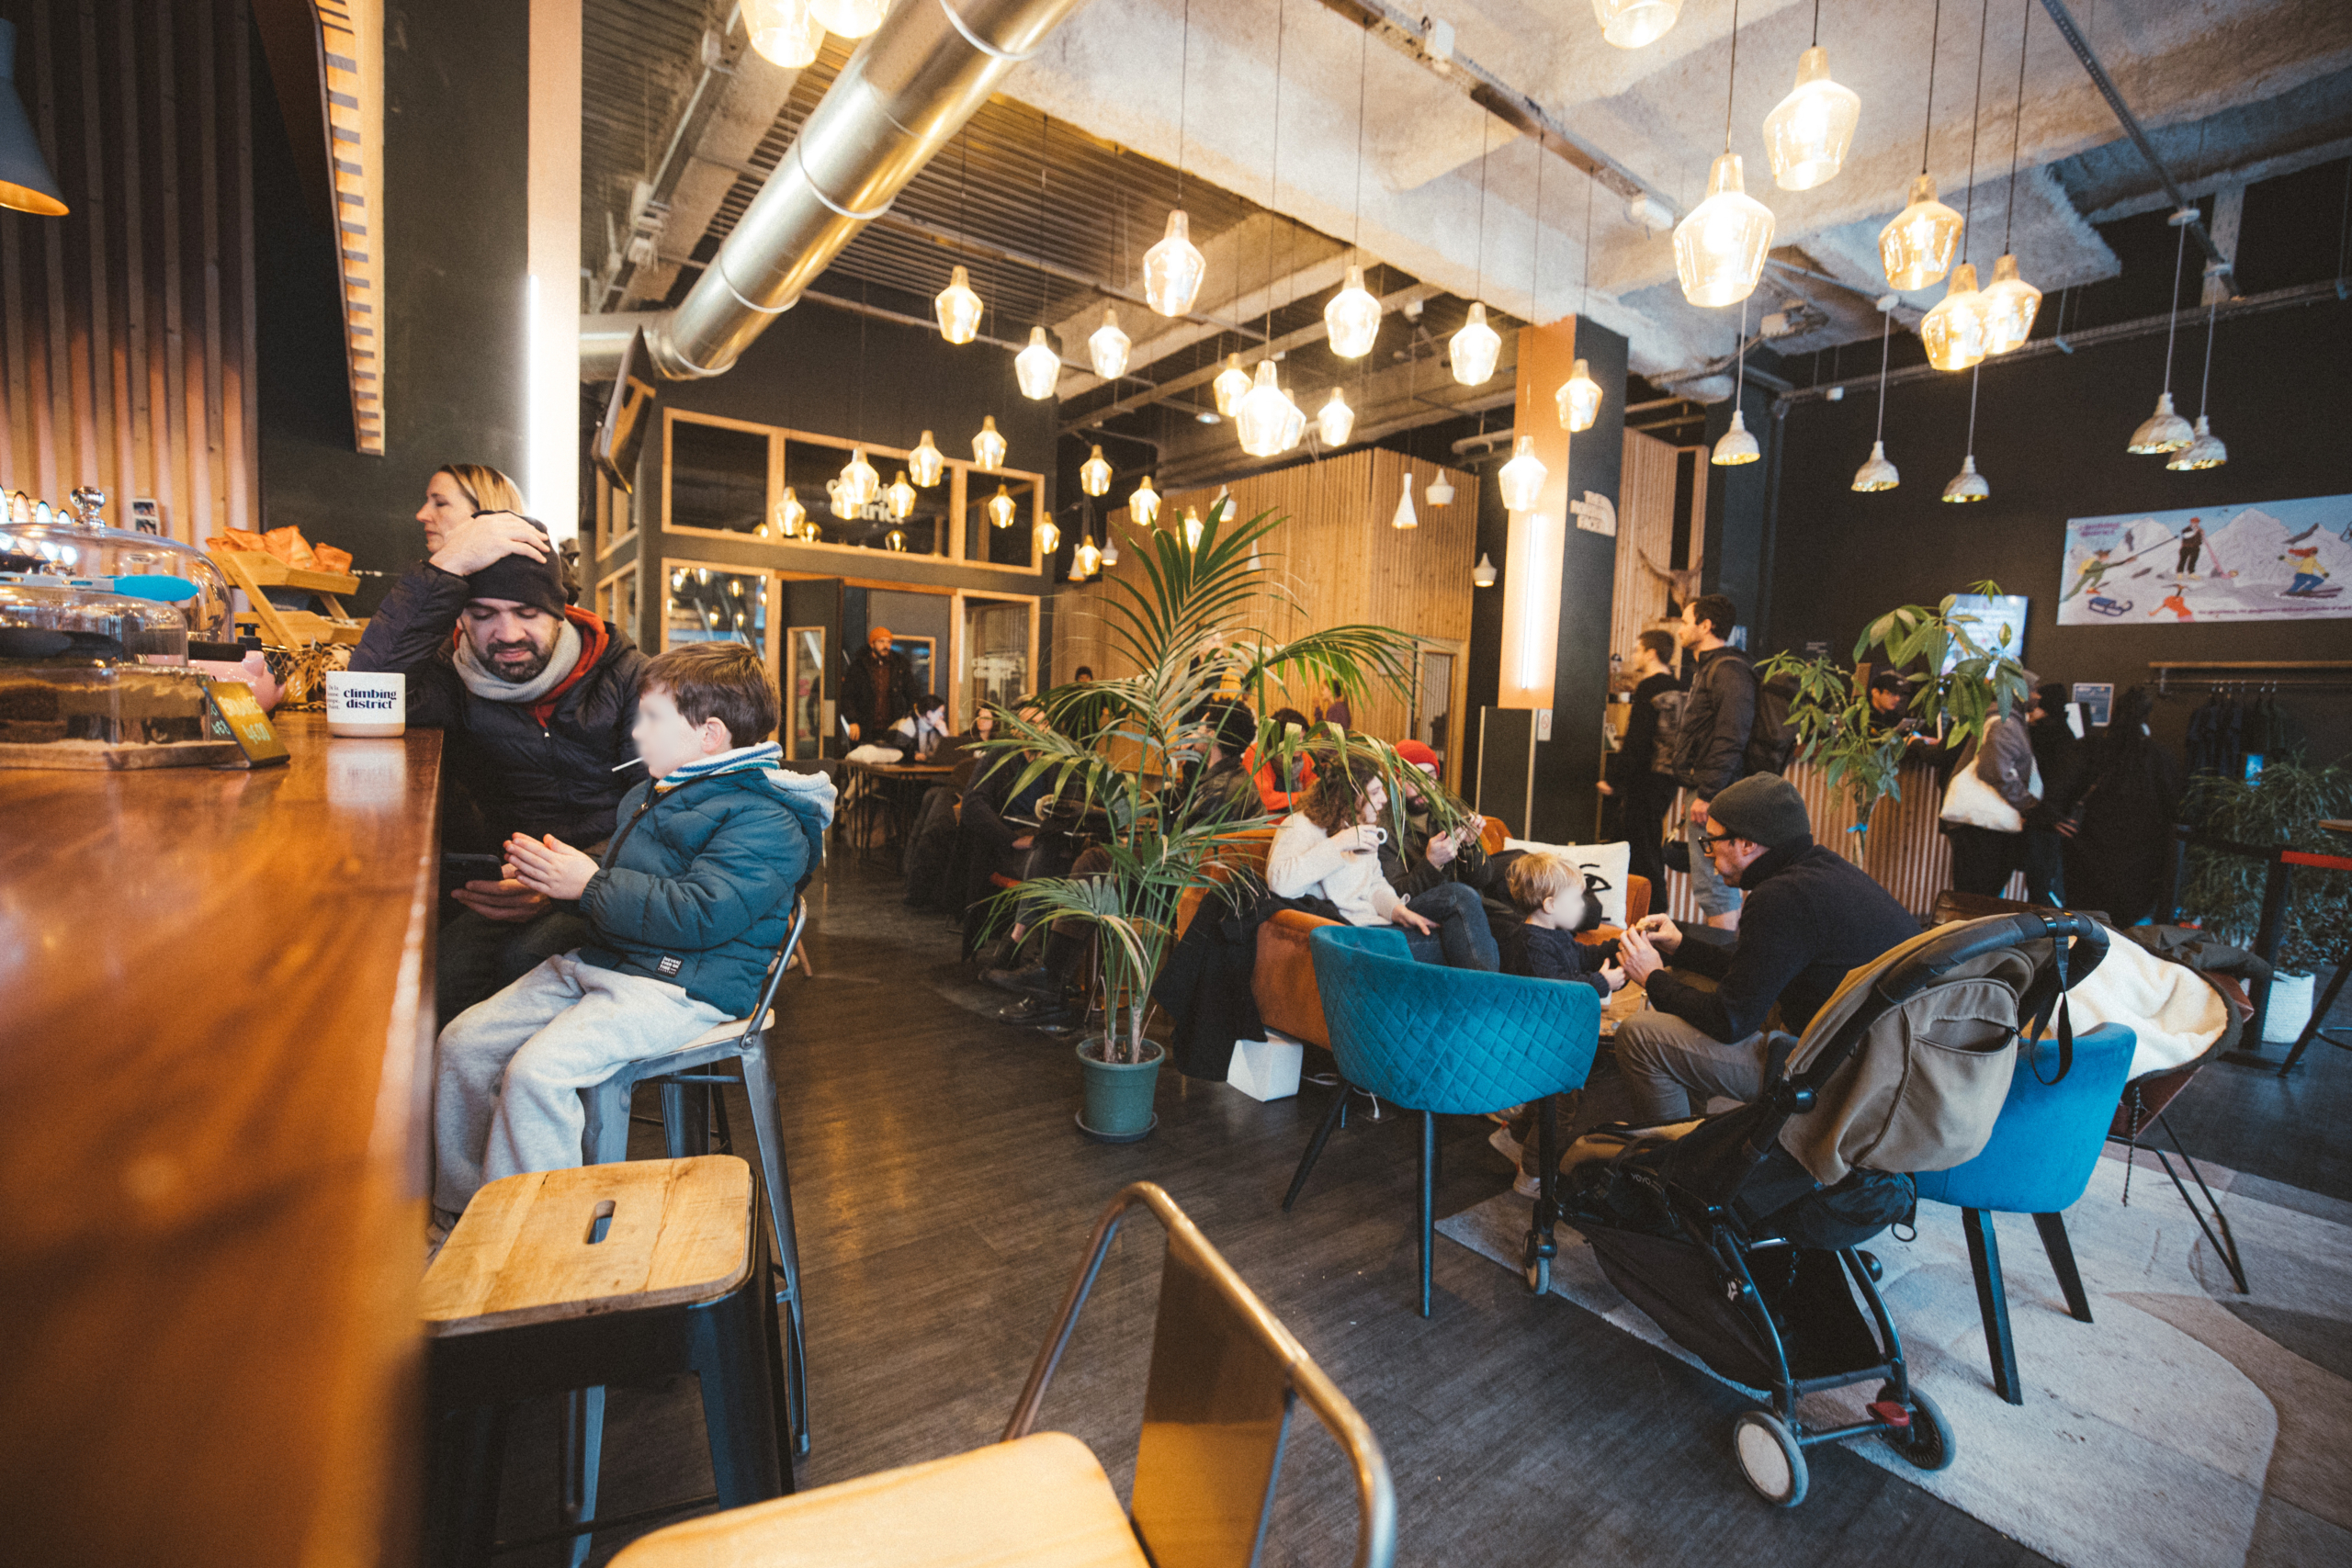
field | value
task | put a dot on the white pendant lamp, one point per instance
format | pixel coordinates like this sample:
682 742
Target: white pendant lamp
1087 561
1878 473
1630 24
1440 491
1404 517
850 18
860 483
1808 133
926 462
1953 331
1579 399
1094 475
1916 246
1336 421
1474 350
899 498
1143 506
1107 348
1038 367
1737 445
1260 416
784 31
2008 306
1482 575
1968 485
2205 449
1173 269
1521 480
1719 247
987 447
1109 547
2164 430
958 308
1294 429
1192 528
1049 538
1232 385
1352 317
1001 508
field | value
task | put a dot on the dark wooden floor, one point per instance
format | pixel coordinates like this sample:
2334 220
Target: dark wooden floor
944 1195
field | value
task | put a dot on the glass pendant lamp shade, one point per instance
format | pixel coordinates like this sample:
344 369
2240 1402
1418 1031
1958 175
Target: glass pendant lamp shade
1192 527
1294 423
1719 247
1094 475
1404 517
1474 348
1038 367
1174 268
1482 575
784 31
958 308
1352 317
860 483
2204 450
1336 421
2163 430
1953 331
1737 446
1049 538
1630 24
1086 560
1440 493
926 462
1807 135
899 496
2008 306
851 18
1107 348
1917 245
1968 484
1258 418
1521 480
895 540
1878 473
1144 505
987 447
837 499
1579 399
1001 507
1232 385
789 515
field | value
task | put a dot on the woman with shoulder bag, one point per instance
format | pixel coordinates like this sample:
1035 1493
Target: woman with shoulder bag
1985 805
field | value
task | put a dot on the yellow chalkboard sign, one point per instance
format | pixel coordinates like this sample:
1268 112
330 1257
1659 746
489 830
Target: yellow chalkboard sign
235 716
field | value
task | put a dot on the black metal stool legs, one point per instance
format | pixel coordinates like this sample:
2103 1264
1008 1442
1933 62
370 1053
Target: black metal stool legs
1429 1202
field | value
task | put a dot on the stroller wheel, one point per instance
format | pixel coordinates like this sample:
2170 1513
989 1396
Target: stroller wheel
1769 1457
1539 1276
1929 1442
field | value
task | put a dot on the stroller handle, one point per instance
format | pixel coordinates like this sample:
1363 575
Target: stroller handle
1969 940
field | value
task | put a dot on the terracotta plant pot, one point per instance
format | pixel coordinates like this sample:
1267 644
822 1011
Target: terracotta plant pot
1116 1107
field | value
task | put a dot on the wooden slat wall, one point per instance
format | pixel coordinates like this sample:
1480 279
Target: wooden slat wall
127 328
351 43
1337 563
1644 523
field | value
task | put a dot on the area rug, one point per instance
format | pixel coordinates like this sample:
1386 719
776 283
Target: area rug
2185 1425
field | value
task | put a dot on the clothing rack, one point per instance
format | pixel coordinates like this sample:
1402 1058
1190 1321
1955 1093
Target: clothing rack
2253 675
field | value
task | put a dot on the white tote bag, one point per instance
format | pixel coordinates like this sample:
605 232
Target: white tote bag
1969 802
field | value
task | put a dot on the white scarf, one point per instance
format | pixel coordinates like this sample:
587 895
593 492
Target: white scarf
492 687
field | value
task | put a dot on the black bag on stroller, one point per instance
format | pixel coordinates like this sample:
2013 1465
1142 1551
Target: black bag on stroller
1738 1235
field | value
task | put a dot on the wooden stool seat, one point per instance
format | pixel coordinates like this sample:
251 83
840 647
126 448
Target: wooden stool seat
1040 1500
528 1250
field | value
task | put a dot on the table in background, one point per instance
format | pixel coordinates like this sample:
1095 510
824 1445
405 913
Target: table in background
216 1067
897 788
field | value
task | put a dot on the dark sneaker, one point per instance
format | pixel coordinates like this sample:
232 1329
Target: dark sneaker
1040 1012
1034 980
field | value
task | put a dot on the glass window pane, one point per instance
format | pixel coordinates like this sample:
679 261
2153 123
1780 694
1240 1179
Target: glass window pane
718 476
810 467
988 539
996 659
804 684
708 605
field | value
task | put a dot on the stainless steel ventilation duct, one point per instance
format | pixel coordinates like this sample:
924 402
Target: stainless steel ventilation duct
905 93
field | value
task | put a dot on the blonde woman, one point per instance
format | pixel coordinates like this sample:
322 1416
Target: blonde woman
459 492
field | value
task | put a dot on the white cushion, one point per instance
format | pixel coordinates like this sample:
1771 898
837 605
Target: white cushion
1611 863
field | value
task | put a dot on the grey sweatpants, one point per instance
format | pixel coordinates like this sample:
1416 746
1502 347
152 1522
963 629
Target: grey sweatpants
508 1072
1665 1070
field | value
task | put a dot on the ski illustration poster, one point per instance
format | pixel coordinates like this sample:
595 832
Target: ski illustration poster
2269 560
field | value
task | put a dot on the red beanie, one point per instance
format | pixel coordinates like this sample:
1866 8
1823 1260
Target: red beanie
1420 756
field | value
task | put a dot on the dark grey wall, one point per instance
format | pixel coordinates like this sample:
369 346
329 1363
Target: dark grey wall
1738 543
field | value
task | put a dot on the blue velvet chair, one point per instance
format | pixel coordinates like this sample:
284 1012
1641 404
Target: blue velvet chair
2039 1162
1450 1043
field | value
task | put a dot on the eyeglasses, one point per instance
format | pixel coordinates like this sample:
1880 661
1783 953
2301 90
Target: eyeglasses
1707 842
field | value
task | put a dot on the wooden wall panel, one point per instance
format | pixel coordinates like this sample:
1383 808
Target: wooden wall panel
127 341
1644 527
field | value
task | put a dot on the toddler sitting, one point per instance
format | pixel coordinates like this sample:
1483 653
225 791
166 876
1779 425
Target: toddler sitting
1552 894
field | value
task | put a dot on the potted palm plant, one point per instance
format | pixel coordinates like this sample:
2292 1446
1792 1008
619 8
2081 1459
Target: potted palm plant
1128 749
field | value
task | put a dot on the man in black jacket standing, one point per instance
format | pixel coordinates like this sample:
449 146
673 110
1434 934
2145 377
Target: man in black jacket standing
538 699
1639 775
879 689
1710 753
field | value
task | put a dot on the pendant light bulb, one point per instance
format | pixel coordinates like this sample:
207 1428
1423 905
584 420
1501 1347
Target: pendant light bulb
1258 418
1336 421
1107 348
1579 399
860 483
2204 451
1087 561
1807 135
1719 247
1878 473
958 308
895 540
1143 506
1038 367
1094 475
1737 446
1630 24
2163 430
899 498
1915 247
1174 268
1232 385
987 447
1352 317
926 462
1482 575
1521 480
1953 330
2008 306
784 31
1001 508
850 18
1192 527
1406 517
1049 538
1109 547
1968 484
1474 348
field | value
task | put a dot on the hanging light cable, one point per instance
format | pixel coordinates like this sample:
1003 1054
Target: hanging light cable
2205 449
1968 484
1351 320
1174 268
1737 445
1038 367
1719 246
1953 331
1878 473
1917 245
2164 430
1807 135
956 306
1261 417
1579 396
2009 302
1474 349
860 483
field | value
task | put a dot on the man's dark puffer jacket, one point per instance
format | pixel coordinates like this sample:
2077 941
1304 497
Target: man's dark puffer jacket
521 775
1716 722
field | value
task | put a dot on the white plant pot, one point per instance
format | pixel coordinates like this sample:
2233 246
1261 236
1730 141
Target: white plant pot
2290 1009
1266 1069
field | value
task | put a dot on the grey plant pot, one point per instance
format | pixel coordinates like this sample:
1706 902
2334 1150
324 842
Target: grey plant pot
1116 1103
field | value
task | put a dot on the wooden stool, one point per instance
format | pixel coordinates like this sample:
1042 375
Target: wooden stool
563 1279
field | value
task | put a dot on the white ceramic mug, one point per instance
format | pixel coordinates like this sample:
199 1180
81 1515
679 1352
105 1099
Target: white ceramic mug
367 707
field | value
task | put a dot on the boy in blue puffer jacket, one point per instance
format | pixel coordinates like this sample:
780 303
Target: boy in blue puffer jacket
692 898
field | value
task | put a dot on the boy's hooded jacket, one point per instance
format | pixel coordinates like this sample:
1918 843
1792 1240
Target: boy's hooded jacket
698 882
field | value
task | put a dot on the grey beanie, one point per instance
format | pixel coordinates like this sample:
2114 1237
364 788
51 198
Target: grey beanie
1764 808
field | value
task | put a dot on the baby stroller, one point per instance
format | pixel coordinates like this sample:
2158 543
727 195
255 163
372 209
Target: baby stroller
1739 1233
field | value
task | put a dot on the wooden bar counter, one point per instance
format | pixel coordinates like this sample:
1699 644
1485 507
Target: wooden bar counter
215 1044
